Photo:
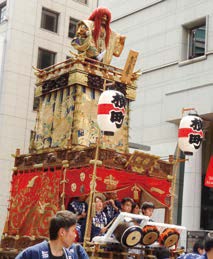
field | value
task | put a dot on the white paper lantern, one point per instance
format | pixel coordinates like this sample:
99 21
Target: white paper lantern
190 134
111 111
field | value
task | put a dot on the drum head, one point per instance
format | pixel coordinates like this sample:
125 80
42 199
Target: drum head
171 240
131 236
149 238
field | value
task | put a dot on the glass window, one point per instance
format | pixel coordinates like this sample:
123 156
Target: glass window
2 12
82 1
49 20
197 41
72 27
46 58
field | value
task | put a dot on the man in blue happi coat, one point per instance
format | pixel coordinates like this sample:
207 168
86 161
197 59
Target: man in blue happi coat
62 235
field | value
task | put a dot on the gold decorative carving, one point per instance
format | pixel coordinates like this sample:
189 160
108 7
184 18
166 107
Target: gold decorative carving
111 182
141 162
154 189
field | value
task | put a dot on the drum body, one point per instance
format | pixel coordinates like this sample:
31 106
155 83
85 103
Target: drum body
169 237
128 234
150 235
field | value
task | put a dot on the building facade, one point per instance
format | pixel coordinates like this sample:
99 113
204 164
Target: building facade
175 43
34 33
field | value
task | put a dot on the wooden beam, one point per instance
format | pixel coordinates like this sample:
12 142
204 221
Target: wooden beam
129 67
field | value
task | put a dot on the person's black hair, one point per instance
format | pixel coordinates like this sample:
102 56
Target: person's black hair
126 199
63 219
209 242
162 253
134 205
147 205
198 244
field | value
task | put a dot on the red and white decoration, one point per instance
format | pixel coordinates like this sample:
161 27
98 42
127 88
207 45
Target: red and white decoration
190 134
111 111
209 174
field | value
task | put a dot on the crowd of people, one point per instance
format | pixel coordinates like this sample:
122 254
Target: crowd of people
67 224
202 249
62 229
107 208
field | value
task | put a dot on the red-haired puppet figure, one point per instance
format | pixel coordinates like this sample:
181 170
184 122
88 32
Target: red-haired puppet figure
95 39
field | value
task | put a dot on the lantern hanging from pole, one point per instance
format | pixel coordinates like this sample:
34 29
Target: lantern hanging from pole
111 111
190 134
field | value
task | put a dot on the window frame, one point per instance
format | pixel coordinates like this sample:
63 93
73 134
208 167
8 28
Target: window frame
2 6
191 42
81 2
38 58
46 11
185 41
75 22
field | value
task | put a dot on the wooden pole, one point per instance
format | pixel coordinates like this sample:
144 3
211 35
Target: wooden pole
174 180
90 212
65 165
91 209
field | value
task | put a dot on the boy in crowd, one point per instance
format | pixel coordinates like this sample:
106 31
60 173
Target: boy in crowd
62 235
148 209
126 205
208 247
111 205
198 249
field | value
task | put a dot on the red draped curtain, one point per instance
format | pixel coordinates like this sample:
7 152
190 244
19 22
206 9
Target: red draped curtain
35 196
34 199
127 184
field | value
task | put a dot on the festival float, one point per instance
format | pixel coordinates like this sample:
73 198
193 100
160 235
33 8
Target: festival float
80 147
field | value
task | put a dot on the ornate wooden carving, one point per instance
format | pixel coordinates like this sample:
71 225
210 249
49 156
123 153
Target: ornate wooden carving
79 158
52 84
111 158
62 155
23 242
161 169
19 160
138 162
142 163
8 242
95 81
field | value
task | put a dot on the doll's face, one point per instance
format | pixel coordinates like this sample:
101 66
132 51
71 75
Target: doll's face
82 176
73 187
82 30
